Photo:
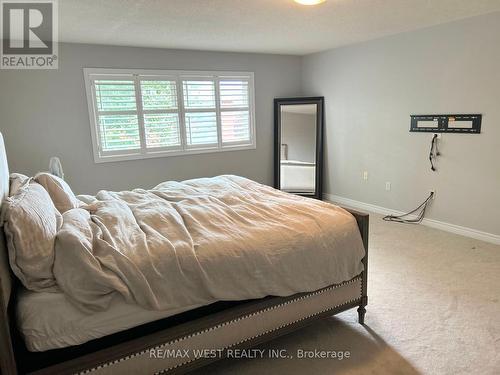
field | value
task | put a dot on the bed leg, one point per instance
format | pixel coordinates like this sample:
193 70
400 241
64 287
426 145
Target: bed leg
363 221
361 314
362 310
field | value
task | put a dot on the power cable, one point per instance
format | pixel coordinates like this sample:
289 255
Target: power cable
418 219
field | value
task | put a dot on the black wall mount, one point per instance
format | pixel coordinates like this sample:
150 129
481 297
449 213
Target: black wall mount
465 124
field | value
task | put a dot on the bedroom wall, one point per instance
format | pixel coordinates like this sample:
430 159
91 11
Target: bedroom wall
44 113
300 136
370 91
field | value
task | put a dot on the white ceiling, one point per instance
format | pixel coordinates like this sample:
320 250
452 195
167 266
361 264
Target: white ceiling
269 26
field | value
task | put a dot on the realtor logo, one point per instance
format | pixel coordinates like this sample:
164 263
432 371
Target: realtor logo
29 34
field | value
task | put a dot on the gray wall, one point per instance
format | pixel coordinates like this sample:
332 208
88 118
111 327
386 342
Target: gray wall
44 113
298 131
372 88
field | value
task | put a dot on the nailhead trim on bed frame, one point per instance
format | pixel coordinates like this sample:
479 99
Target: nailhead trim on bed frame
230 322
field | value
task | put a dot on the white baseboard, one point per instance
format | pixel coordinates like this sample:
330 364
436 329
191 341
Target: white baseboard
452 228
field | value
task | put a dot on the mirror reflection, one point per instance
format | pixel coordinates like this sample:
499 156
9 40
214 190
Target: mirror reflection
298 148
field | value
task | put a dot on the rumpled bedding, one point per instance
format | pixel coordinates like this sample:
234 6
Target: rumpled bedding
200 241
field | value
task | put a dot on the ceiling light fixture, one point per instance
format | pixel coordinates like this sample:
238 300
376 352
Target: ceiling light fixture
309 2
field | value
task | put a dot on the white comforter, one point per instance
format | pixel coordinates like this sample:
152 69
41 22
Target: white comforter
199 241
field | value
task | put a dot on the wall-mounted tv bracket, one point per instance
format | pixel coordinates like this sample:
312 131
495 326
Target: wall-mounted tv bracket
466 124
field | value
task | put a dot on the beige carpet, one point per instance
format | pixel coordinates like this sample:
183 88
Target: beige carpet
434 308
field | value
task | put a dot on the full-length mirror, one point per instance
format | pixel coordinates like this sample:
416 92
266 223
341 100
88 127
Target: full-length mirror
298 145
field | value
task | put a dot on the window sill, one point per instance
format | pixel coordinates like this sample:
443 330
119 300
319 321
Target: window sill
98 159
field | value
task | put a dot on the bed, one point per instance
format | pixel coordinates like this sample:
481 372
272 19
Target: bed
298 176
131 339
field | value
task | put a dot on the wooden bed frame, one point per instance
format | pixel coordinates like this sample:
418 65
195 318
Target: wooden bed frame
223 326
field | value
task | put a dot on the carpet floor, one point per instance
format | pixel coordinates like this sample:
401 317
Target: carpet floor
434 308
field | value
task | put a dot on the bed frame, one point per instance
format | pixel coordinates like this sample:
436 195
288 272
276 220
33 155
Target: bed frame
148 349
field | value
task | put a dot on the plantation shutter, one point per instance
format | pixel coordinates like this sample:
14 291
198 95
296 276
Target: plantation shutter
200 112
117 117
161 117
235 110
140 114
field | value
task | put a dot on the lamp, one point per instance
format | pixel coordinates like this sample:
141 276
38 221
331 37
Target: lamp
309 2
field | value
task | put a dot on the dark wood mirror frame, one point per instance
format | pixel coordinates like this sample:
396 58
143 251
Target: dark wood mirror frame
320 121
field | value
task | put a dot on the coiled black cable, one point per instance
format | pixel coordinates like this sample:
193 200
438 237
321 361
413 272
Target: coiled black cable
434 152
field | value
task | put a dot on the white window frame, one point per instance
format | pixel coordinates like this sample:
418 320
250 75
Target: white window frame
136 75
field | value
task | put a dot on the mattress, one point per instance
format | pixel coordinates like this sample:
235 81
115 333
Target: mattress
49 320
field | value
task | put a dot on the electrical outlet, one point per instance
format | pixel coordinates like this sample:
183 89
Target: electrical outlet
439 135
434 193
387 186
365 175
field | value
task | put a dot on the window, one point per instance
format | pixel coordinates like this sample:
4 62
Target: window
138 114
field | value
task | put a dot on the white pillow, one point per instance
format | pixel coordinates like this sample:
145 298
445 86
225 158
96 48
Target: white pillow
31 222
61 194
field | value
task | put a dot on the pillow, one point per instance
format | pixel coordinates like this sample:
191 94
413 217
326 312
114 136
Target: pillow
16 180
31 222
61 194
